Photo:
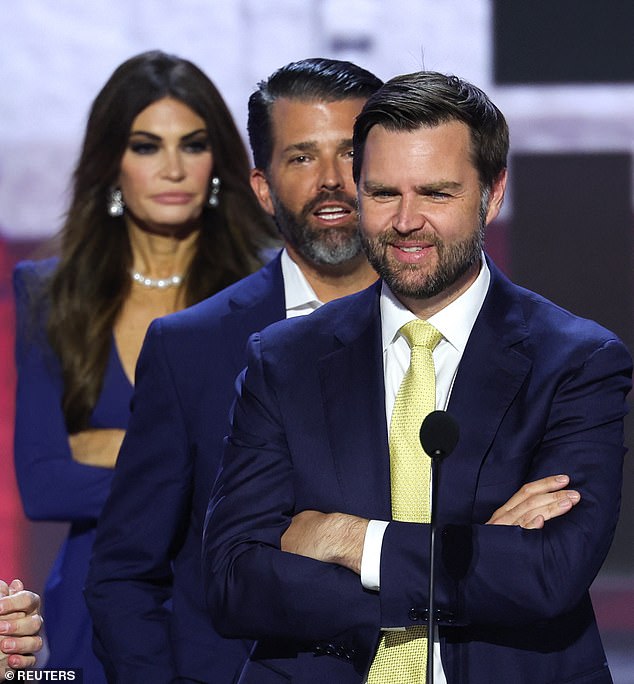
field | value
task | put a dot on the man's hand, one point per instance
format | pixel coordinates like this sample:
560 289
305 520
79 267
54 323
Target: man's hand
338 537
20 622
537 502
328 537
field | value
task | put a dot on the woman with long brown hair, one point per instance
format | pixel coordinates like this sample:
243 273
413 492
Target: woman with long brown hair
162 215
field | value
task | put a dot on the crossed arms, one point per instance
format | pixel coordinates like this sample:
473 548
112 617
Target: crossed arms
339 537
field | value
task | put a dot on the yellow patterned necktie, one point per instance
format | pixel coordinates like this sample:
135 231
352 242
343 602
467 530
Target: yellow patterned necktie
401 657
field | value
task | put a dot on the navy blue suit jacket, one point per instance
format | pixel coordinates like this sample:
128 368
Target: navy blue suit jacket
538 392
147 550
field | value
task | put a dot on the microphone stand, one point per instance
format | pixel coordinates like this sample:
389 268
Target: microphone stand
435 461
438 436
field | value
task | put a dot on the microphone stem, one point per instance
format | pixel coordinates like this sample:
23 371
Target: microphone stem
432 566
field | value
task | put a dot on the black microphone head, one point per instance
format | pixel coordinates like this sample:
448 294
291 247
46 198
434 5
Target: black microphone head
439 434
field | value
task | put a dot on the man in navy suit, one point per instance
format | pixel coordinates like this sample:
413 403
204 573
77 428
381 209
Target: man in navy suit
301 551
147 550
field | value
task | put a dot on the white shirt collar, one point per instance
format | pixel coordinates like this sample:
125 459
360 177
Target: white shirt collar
298 293
454 322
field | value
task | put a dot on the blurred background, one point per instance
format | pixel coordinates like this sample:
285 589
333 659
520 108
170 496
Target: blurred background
562 71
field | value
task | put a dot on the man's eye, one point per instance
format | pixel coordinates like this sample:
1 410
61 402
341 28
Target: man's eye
299 159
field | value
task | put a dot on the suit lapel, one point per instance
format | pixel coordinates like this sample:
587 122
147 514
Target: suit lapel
254 306
491 372
353 397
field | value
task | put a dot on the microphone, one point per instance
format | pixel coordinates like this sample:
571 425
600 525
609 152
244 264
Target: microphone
438 436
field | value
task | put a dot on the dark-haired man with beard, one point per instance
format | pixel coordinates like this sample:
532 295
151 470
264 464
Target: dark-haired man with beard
306 185
317 539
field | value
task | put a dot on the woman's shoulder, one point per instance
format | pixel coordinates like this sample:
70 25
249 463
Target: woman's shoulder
30 280
30 271
29 277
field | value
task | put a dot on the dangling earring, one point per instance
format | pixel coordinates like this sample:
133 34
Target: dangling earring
213 200
116 205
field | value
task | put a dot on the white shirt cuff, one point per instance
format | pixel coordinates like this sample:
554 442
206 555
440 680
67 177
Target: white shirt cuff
371 558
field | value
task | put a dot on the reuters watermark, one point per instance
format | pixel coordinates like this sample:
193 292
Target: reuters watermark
44 676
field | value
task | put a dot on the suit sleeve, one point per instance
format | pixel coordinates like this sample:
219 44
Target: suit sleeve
142 524
255 590
52 485
504 575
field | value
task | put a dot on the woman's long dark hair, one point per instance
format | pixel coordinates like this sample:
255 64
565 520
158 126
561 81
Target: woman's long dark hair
92 279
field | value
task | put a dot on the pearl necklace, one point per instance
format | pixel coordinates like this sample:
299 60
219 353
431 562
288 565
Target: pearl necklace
153 283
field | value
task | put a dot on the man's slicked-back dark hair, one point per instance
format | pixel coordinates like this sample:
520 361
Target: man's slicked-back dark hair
427 99
329 80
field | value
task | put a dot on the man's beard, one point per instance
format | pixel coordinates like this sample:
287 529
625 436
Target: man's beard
454 260
324 245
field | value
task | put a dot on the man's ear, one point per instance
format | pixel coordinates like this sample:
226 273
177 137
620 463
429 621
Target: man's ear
497 197
260 186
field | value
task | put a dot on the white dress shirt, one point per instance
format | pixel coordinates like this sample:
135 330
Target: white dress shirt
299 295
455 323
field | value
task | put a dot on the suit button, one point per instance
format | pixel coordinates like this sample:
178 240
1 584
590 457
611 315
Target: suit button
413 614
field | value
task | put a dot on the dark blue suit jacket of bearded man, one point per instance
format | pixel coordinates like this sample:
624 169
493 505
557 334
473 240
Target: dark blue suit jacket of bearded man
147 552
538 392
